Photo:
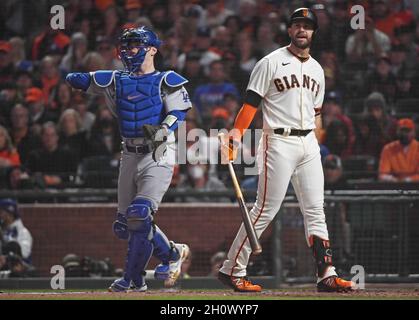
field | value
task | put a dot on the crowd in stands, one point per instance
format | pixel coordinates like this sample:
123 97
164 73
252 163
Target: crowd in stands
48 131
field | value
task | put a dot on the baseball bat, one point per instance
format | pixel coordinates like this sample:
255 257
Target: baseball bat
250 229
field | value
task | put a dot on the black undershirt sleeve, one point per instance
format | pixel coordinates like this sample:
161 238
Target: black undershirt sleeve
252 98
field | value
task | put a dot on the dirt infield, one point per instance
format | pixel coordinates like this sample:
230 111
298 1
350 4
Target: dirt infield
283 294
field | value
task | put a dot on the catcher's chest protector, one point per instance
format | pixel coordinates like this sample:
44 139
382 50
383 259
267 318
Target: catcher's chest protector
139 102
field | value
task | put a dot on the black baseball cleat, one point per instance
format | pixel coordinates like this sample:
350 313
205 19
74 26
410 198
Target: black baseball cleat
335 284
239 284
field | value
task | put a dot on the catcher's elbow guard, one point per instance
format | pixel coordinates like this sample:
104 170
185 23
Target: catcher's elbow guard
79 80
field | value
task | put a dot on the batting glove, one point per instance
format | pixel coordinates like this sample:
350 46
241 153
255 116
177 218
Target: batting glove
229 148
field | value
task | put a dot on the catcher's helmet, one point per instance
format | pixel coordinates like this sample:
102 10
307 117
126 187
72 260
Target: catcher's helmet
304 14
141 38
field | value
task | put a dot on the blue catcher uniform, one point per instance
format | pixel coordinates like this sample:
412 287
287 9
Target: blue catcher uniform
156 98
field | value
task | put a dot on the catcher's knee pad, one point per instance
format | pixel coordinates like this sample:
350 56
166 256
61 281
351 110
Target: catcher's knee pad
120 227
322 254
139 218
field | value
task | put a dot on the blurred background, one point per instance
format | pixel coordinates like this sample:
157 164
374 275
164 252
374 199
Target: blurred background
59 148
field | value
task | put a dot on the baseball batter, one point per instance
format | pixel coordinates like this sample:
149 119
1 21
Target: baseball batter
289 85
148 105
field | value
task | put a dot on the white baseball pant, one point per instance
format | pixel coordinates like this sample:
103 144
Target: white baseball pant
281 159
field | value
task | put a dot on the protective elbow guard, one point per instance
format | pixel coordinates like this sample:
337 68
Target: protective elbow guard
79 80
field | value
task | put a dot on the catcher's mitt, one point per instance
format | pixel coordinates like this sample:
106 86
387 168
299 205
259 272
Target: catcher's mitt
157 137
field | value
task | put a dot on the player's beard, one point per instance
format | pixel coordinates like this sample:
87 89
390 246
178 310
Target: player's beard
306 45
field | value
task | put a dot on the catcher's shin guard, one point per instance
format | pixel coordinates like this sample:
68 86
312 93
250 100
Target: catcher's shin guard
140 247
163 249
322 255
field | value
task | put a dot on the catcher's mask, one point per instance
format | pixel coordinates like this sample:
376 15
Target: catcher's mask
140 38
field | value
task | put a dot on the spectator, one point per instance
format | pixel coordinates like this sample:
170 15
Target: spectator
80 105
324 39
399 159
332 111
248 13
14 231
337 139
247 54
93 61
72 137
220 118
132 10
50 42
209 95
18 54
398 59
38 113
265 40
376 107
8 154
21 135
8 98
18 178
105 139
175 11
405 35
384 19
24 80
333 172
216 262
107 50
158 16
198 178
75 53
193 71
367 44
62 96
222 41
232 104
112 23
203 45
370 138
193 15
233 24
382 79
53 164
6 63
50 76
341 28
404 87
214 13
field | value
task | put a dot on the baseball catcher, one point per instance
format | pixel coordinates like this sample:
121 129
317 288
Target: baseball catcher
148 105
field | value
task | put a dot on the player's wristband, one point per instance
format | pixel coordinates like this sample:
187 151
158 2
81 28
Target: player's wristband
169 121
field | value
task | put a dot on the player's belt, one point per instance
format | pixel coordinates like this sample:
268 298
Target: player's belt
292 132
141 149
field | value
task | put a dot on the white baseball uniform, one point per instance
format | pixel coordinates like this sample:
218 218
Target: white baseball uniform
292 92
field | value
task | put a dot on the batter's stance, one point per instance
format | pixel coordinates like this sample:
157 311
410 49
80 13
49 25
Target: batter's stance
289 85
148 105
